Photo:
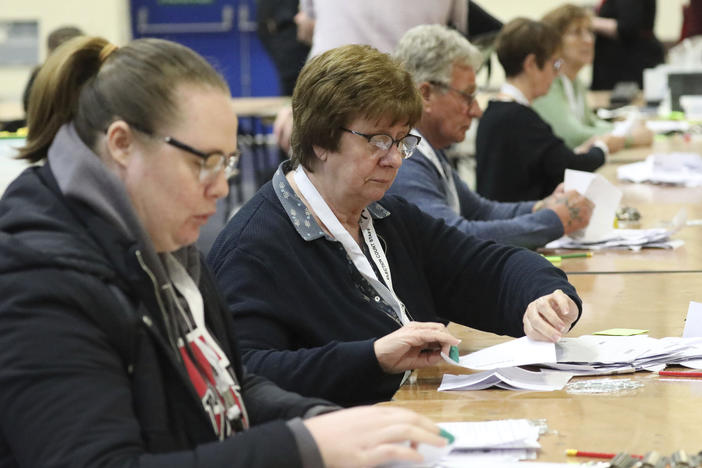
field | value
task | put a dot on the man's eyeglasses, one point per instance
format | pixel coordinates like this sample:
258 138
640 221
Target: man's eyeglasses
382 141
211 164
469 99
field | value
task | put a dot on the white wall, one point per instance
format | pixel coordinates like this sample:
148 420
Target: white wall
110 19
106 18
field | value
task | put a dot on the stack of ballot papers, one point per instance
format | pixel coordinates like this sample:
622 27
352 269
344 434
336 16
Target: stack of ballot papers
683 169
584 355
632 239
481 443
509 378
591 354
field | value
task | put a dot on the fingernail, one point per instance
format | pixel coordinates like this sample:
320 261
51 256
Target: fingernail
447 435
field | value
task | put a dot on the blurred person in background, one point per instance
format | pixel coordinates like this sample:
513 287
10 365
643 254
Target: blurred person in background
518 155
565 106
443 65
625 42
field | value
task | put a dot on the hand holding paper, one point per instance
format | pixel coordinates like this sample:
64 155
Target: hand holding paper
573 209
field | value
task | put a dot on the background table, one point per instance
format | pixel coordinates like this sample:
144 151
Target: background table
657 204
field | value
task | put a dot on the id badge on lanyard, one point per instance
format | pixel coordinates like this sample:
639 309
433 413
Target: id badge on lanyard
325 214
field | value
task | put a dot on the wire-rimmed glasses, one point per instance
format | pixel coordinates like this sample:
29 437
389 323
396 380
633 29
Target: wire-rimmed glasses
383 141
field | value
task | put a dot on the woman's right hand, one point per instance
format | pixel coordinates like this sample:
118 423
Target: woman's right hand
366 436
417 344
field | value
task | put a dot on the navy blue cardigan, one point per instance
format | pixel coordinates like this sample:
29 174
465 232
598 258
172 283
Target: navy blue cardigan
306 319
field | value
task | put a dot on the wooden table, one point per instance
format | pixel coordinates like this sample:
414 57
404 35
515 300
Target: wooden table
662 414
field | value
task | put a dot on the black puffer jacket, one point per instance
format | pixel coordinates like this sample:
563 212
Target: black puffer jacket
87 377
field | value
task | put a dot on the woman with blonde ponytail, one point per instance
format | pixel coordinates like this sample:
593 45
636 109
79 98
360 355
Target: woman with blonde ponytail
115 346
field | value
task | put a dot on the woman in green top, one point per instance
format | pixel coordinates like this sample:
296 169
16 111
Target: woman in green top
565 106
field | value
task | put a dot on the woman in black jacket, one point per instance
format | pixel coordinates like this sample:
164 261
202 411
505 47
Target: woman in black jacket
116 349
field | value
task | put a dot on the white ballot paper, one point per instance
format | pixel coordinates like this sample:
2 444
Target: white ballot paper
693 329
603 194
509 378
482 443
520 352
693 322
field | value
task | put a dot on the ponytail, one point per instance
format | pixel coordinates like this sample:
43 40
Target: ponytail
54 97
92 83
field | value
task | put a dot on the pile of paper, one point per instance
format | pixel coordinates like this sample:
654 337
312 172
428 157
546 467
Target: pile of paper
632 239
509 378
591 354
482 443
672 168
584 355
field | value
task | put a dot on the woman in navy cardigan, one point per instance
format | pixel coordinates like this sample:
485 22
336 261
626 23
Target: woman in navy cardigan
338 292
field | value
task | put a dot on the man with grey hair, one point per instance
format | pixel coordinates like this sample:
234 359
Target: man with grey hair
443 65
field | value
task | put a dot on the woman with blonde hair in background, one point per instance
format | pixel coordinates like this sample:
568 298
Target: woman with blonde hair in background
565 106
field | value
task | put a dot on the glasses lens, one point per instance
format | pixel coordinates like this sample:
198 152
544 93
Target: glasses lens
211 166
230 165
383 142
407 145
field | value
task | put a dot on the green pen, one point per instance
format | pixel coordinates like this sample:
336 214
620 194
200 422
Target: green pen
453 354
447 435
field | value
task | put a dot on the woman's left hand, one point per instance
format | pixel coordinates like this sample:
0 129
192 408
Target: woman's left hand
549 317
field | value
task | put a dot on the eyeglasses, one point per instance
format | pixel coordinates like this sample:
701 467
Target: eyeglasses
382 141
469 99
211 164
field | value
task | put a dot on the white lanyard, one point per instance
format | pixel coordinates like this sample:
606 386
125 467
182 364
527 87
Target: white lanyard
425 148
325 214
577 105
515 93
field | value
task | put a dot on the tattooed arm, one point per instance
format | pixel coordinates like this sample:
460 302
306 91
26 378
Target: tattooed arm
573 209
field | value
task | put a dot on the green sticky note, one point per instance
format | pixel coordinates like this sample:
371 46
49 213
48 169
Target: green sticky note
453 353
621 332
